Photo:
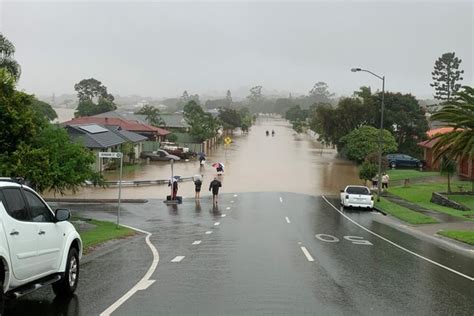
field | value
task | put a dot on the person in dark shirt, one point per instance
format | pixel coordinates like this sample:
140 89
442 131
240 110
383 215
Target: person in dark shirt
197 187
215 185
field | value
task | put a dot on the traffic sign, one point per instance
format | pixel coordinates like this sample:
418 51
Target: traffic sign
227 140
110 155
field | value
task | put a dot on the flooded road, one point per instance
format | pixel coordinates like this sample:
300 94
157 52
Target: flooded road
253 162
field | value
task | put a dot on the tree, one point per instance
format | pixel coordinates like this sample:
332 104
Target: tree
364 140
458 114
202 125
448 167
320 93
295 113
7 62
152 115
367 170
44 109
228 98
255 98
230 118
93 98
446 76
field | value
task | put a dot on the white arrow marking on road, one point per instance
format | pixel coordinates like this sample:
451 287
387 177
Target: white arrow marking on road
307 254
145 281
281 199
223 215
196 242
287 219
398 246
217 224
177 259
209 232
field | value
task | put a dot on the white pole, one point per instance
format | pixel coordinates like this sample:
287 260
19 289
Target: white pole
120 190
172 179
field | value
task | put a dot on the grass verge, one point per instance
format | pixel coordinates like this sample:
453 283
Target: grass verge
421 194
402 174
466 200
102 232
403 213
465 236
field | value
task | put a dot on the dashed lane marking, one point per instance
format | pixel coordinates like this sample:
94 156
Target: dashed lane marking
307 254
196 242
281 199
227 208
235 195
287 219
223 215
398 246
209 232
217 224
177 259
145 281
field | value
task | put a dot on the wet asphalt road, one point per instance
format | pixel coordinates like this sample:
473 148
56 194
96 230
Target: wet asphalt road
253 263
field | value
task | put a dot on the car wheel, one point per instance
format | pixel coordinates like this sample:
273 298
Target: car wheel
420 165
2 298
393 165
67 285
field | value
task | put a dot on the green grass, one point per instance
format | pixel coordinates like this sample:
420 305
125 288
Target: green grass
403 213
402 174
102 232
461 235
466 200
421 194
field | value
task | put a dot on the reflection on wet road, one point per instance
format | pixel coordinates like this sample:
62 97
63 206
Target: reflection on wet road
253 163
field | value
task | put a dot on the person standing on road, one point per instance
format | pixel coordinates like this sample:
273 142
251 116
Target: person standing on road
214 186
197 187
385 180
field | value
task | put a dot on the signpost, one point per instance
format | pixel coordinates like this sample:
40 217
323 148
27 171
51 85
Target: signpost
227 142
115 155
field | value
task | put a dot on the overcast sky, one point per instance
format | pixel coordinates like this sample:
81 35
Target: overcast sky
160 49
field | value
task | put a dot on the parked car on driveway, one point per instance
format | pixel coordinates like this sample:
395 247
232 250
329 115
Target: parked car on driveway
357 196
38 247
402 160
158 155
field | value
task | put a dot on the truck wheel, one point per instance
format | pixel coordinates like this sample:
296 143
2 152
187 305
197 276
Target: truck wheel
67 285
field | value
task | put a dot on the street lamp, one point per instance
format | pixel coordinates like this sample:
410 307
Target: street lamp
379 182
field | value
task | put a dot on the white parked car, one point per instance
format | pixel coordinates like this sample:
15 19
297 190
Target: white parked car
357 196
38 247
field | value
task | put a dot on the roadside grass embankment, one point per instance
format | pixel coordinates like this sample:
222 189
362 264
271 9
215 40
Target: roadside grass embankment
99 232
404 213
460 235
402 174
420 194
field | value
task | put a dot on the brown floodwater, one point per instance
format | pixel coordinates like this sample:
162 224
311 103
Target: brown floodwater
254 162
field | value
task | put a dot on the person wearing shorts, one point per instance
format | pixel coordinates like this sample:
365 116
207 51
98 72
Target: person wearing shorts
214 186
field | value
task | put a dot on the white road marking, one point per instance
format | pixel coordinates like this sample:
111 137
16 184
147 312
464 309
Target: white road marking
227 208
281 199
209 232
196 242
217 224
400 247
358 240
299 242
327 238
287 219
177 259
235 195
306 253
223 215
231 201
145 281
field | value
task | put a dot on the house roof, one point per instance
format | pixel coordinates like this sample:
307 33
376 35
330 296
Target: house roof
174 120
429 143
132 126
102 139
439 131
129 136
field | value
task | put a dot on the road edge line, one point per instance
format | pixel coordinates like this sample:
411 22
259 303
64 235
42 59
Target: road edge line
144 282
398 246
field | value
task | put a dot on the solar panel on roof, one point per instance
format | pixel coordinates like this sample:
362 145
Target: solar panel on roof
93 129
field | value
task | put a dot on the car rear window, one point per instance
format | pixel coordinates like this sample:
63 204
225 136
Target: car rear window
358 190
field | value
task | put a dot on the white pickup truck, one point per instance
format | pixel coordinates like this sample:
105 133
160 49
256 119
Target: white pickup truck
38 247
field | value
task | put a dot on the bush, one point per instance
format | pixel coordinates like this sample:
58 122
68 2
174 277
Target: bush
367 171
172 138
373 158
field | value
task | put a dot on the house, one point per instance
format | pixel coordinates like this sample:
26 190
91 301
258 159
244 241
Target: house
99 138
465 164
151 132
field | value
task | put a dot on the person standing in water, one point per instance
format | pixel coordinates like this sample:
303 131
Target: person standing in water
214 186
197 187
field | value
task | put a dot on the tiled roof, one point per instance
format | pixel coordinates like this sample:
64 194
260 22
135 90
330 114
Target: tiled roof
439 131
127 125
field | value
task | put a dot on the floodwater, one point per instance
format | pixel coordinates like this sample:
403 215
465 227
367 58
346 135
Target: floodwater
287 162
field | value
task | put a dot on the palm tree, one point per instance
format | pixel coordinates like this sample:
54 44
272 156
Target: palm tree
458 114
7 49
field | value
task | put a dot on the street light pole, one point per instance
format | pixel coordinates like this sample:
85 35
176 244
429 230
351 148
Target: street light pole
379 180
